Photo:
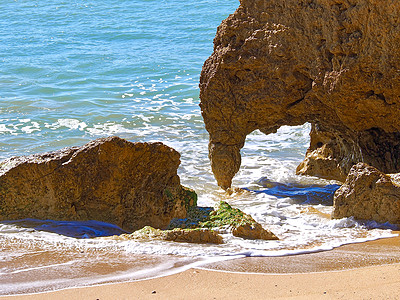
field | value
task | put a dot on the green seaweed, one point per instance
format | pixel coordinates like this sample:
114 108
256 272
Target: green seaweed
188 196
207 217
199 219
226 215
169 195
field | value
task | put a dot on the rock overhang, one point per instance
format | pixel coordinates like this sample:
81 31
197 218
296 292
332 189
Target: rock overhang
334 64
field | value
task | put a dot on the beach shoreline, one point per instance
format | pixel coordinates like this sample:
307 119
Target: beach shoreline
367 270
377 282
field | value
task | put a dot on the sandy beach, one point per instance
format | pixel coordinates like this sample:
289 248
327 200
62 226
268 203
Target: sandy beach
378 282
359 271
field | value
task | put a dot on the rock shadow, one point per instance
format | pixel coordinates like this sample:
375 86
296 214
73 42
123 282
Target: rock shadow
74 229
301 194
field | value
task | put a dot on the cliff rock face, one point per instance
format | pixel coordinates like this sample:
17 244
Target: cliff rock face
109 179
369 194
333 63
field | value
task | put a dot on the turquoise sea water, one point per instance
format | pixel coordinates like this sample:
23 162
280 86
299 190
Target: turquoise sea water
73 71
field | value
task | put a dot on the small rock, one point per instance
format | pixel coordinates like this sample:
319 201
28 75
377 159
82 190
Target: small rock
369 194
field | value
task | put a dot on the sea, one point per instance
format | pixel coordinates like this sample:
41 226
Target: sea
73 71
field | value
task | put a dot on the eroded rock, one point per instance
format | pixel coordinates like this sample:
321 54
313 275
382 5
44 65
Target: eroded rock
369 194
334 64
326 156
110 179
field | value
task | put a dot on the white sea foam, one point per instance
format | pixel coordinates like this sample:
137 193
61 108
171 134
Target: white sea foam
31 128
5 129
68 123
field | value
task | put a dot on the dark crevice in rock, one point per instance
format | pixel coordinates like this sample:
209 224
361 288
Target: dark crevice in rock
295 103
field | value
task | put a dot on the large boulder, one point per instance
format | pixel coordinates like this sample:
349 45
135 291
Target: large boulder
369 194
333 63
109 179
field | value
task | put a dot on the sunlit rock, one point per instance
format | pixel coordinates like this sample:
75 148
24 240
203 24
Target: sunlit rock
369 194
110 179
253 231
334 64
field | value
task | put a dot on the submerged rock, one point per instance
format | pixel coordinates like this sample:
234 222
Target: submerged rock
334 64
369 194
196 216
109 179
199 236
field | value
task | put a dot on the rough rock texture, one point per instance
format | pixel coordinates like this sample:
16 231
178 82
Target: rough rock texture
253 231
369 194
333 63
198 236
327 156
196 216
224 217
241 224
110 179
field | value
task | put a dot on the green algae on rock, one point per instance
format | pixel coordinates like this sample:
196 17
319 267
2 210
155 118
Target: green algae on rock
195 216
241 224
188 196
227 215
224 216
202 226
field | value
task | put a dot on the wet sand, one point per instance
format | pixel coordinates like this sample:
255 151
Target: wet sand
373 253
358 271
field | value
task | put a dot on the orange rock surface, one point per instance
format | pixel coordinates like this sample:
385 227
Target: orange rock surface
333 63
110 179
369 194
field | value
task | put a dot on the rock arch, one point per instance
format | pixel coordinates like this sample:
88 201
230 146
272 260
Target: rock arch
333 63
